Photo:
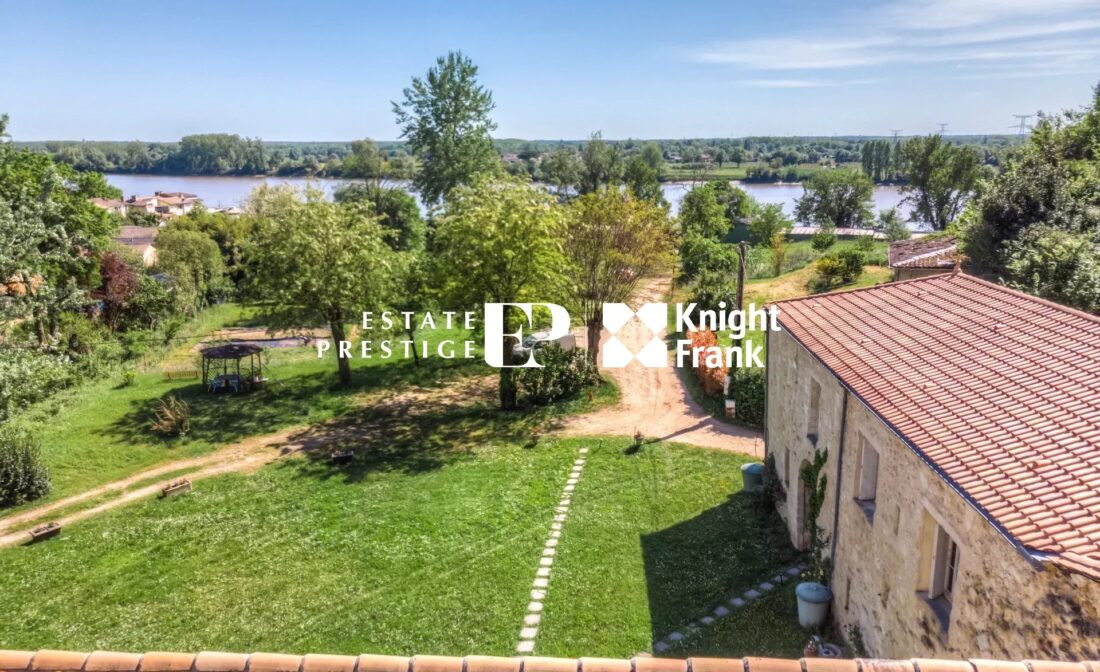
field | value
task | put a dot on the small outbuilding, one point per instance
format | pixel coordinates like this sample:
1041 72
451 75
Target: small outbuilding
921 257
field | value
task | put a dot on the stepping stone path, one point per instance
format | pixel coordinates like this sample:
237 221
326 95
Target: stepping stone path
541 584
722 611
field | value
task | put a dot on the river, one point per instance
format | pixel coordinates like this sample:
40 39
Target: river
224 192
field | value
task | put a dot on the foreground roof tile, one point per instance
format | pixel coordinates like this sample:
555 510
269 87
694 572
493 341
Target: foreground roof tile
70 661
996 390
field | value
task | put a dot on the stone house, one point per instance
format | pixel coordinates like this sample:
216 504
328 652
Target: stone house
921 257
961 424
141 241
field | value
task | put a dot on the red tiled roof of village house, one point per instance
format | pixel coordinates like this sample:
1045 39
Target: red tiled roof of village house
998 390
924 253
210 661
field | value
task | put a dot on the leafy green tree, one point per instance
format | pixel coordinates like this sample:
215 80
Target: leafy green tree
50 237
1057 264
699 256
399 213
316 262
701 214
561 169
836 196
194 262
602 164
445 120
641 179
768 222
891 224
499 240
940 179
613 240
370 164
1036 226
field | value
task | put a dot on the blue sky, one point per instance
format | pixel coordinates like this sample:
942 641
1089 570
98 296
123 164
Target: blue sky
559 69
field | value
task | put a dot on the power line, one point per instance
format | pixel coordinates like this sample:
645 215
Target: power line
896 132
943 127
1022 126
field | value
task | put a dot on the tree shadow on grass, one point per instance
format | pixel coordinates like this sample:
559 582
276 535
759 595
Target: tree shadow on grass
225 417
700 563
391 438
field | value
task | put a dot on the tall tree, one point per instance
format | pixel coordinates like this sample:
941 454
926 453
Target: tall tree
941 178
445 119
702 214
499 240
561 169
313 261
838 197
603 164
614 240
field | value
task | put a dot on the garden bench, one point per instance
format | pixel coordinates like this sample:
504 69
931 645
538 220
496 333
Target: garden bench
181 374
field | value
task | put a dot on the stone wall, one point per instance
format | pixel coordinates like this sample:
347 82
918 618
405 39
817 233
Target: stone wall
1004 605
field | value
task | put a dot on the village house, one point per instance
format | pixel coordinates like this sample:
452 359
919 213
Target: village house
140 240
113 205
165 204
960 421
921 257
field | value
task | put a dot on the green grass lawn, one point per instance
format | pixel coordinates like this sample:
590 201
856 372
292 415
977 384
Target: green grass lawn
101 431
770 622
426 544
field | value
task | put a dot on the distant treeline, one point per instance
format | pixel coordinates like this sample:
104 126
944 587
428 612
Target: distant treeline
764 157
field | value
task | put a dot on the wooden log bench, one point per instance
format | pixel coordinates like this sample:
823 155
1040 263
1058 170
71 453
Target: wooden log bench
181 374
43 532
174 488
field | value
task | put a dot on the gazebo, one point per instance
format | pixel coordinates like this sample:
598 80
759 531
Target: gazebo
221 367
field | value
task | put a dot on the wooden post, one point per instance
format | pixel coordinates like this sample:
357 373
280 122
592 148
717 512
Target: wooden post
741 275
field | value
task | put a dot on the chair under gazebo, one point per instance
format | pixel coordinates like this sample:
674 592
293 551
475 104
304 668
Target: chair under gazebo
221 367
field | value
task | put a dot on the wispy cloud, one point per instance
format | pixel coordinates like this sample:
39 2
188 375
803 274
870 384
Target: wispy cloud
1051 34
801 83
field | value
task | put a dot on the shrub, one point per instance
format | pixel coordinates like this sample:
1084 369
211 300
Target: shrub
892 225
865 243
773 490
28 376
173 417
713 379
564 373
128 377
823 239
837 269
748 389
23 478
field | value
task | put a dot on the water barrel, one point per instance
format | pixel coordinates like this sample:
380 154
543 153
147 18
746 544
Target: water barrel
813 603
752 476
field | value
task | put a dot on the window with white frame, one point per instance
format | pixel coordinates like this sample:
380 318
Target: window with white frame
867 476
945 567
943 574
815 410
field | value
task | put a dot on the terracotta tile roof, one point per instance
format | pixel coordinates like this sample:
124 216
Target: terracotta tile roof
924 253
997 390
842 231
137 235
209 661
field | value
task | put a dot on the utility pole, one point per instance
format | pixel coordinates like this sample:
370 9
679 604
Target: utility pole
896 132
943 127
1022 126
741 253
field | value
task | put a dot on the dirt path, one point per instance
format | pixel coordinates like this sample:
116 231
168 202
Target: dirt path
244 456
655 401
